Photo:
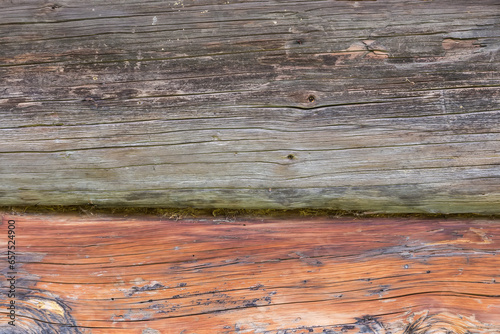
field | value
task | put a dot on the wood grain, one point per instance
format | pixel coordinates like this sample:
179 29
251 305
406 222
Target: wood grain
387 106
149 275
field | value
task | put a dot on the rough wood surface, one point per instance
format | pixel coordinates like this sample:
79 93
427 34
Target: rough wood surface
343 276
389 105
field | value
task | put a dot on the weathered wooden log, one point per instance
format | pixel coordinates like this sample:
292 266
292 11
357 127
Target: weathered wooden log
343 276
389 105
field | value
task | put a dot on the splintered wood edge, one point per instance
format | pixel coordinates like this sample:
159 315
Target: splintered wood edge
188 212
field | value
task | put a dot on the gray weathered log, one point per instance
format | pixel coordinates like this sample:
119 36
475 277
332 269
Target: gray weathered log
389 105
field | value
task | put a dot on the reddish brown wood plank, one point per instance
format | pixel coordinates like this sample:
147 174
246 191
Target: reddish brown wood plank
149 275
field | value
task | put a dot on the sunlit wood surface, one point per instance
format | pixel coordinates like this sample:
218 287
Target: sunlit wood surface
147 275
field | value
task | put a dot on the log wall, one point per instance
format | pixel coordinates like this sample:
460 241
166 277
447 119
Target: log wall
387 106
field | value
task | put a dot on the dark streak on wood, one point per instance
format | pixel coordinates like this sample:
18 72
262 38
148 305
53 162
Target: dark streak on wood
388 106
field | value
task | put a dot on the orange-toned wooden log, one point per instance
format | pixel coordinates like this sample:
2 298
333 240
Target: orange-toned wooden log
149 275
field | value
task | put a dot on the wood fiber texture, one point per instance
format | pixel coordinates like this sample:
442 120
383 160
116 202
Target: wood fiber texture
332 276
387 106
